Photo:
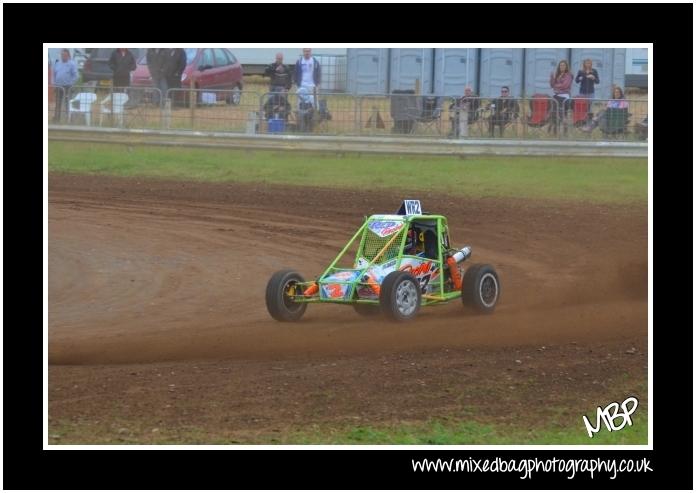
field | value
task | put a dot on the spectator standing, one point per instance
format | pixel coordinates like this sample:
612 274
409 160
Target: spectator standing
121 63
307 71
560 82
155 61
279 74
64 77
173 67
503 110
588 78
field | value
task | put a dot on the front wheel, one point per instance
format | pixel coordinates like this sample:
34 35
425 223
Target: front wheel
280 292
481 288
400 296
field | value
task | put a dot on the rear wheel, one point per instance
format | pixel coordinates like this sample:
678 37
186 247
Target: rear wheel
481 288
400 296
281 289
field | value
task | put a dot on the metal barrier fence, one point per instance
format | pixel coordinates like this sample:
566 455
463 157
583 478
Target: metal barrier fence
202 109
125 107
339 114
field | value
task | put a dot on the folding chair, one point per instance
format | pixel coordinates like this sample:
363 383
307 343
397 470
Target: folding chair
581 108
404 110
614 121
82 103
115 101
428 113
540 106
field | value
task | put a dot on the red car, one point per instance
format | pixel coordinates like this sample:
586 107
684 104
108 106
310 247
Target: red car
210 68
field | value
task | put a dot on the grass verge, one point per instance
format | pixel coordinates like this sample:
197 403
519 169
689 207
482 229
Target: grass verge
436 432
610 180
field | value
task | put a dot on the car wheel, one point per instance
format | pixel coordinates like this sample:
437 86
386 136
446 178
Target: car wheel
400 296
481 288
366 310
281 289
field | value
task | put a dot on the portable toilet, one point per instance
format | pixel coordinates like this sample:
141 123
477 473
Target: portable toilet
408 65
455 68
501 67
619 76
539 63
368 70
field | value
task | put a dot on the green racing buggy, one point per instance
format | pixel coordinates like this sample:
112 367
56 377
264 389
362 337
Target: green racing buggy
393 264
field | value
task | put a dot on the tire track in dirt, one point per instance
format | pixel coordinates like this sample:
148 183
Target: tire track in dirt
147 270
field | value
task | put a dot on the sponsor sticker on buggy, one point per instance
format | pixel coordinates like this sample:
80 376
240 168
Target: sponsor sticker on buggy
424 271
385 228
335 291
344 276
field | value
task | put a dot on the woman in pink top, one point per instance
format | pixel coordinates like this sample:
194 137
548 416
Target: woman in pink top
561 81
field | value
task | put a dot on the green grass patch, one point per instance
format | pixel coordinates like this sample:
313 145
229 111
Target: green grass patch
438 432
472 433
614 180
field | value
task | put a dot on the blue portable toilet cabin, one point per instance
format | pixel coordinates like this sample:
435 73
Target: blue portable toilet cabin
538 65
368 70
610 64
455 68
408 65
501 67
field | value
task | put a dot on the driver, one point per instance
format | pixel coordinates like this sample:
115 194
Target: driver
414 241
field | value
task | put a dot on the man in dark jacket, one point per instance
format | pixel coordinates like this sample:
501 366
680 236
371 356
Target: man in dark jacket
503 110
173 66
279 74
155 60
121 63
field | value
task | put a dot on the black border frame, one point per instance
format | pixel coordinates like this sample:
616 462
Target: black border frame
26 465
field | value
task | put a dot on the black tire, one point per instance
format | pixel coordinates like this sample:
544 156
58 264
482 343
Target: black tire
278 303
400 296
366 310
481 288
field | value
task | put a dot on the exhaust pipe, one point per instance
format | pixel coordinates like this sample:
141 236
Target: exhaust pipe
452 262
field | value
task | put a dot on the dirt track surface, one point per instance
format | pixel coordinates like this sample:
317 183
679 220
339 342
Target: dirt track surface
146 273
